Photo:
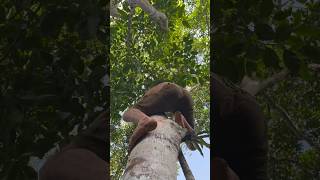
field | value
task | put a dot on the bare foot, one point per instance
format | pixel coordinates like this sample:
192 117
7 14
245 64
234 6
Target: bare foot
144 126
181 120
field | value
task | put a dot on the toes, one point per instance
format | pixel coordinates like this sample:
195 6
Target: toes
186 124
178 118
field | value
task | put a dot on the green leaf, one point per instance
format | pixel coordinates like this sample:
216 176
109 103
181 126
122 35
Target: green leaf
198 148
203 132
202 142
291 61
88 27
78 65
302 1
266 8
253 52
52 23
204 136
39 99
236 48
282 14
311 52
305 73
270 58
229 69
308 31
186 24
264 32
283 31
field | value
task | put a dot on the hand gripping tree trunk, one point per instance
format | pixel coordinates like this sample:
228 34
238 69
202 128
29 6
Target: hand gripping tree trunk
155 156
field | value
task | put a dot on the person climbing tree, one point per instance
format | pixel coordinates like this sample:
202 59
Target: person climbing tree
164 97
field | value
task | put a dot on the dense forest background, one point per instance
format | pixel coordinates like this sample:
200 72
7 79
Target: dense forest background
53 67
263 39
180 55
54 61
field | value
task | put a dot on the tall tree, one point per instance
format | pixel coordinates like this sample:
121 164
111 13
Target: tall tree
156 156
180 55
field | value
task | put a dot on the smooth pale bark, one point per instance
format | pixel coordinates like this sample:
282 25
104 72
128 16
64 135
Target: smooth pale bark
145 5
113 9
254 87
155 156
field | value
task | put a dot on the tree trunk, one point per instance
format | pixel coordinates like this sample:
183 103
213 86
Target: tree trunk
155 156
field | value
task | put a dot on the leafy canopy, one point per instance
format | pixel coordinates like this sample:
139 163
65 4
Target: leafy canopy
180 56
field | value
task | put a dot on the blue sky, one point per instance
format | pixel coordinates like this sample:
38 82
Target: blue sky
199 165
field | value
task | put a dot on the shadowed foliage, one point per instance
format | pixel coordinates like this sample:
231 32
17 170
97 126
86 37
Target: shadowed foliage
53 59
260 39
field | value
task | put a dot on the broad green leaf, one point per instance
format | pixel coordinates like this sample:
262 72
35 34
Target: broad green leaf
266 8
292 62
264 32
52 23
270 58
186 24
283 31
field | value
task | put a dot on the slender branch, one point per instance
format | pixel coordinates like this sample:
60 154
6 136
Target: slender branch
113 8
185 167
145 5
255 87
315 67
193 88
273 79
129 36
293 128
154 14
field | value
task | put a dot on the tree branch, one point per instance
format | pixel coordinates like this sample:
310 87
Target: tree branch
113 9
289 121
315 67
185 167
155 15
129 37
254 87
